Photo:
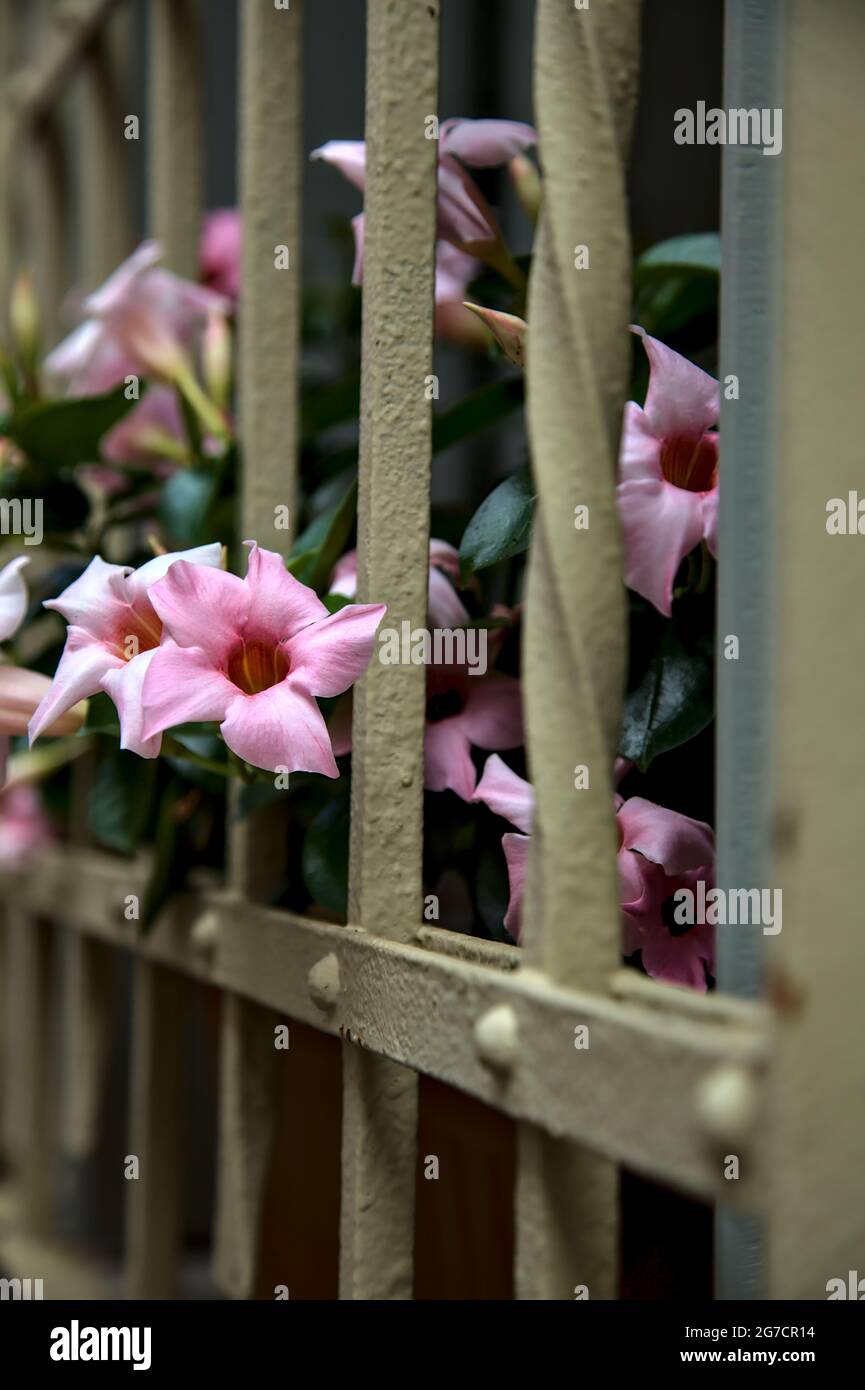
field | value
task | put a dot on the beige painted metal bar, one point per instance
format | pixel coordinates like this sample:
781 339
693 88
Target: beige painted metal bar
65 32
48 200
574 655
154 1201
30 1074
646 1093
176 153
105 169
385 885
270 164
816 965
105 237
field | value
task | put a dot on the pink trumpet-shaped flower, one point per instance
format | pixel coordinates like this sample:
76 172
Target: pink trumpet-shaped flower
253 654
219 251
446 608
142 321
464 217
466 711
113 635
659 852
668 472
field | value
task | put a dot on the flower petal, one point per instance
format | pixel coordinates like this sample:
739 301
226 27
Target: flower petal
447 758
202 607
516 848
463 214
348 156
279 604
97 600
79 675
21 692
710 520
124 685
281 727
326 657
506 793
668 838
485 144
141 579
639 449
493 713
181 684
682 399
13 596
661 524
678 960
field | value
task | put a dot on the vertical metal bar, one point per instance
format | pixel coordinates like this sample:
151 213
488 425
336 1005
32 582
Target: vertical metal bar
385 884
49 216
270 162
574 656
154 1200
154 1204
8 136
30 1072
816 964
105 223
176 178
753 33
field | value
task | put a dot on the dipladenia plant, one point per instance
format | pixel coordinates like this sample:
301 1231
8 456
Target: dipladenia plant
184 656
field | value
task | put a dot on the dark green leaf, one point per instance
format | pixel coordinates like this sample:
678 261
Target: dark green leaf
672 702
119 802
101 716
501 526
65 432
697 252
329 405
185 502
325 857
318 549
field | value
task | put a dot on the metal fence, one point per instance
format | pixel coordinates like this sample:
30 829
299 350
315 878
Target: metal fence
671 1084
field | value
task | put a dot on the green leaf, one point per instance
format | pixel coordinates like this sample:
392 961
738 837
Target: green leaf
501 526
318 549
673 700
325 857
185 502
102 717
699 252
119 803
65 432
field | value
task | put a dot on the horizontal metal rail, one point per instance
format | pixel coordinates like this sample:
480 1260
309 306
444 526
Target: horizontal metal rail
652 1090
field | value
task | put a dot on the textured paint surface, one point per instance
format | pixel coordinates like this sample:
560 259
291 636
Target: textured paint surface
385 886
574 654
816 966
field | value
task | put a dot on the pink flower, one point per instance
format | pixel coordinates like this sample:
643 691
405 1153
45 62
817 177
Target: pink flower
24 827
463 710
219 251
668 473
464 217
253 654
143 320
113 635
21 690
445 606
149 433
660 851
511 797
